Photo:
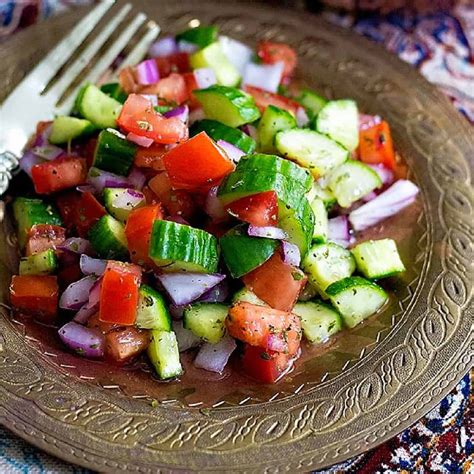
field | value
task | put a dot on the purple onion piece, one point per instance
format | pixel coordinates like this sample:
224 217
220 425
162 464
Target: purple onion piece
213 205
385 174
369 197
145 142
217 294
398 196
136 178
28 160
183 288
302 118
42 139
368 121
195 115
291 253
152 98
181 112
104 179
77 245
263 76
186 339
92 266
147 72
205 77
338 228
176 312
77 293
268 232
232 151
82 340
48 152
214 357
85 188
239 54
163 47
187 47
250 130
86 311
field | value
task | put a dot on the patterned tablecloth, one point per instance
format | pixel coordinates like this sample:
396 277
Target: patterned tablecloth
441 46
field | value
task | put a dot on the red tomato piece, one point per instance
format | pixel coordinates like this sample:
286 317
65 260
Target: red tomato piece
176 203
119 293
62 173
128 80
265 327
271 53
124 344
35 294
151 157
172 89
178 62
259 209
89 211
191 86
42 237
376 147
138 116
67 204
68 272
42 126
138 231
95 323
197 163
89 151
276 283
263 99
264 365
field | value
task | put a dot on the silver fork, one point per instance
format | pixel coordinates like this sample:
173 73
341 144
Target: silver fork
29 103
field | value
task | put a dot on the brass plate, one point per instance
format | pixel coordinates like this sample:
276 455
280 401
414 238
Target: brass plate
366 387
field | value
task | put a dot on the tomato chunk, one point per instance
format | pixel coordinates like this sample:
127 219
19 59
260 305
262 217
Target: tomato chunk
62 173
264 365
138 231
178 62
34 294
276 282
89 211
122 345
191 85
259 209
263 99
67 203
197 163
151 157
42 237
271 53
265 327
95 323
138 116
172 88
119 293
375 145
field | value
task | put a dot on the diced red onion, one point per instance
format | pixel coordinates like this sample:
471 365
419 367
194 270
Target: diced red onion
136 178
163 47
181 112
232 151
195 115
85 341
250 130
217 294
205 77
368 121
398 196
48 152
147 72
92 266
77 245
369 197
183 288
177 311
338 231
213 205
186 339
85 188
86 311
104 179
28 160
291 253
302 118
187 47
214 357
385 174
77 293
42 138
153 98
178 220
239 54
263 76
269 232
145 142
94 294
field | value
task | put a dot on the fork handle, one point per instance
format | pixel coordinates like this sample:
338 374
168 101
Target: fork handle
9 164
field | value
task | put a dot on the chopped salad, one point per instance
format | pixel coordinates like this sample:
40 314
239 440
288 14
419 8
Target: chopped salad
204 202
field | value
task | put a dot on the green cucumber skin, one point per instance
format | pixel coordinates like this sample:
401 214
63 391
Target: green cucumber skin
152 312
177 247
163 353
113 89
312 102
273 120
218 131
202 35
320 232
107 237
244 295
43 263
113 153
242 253
29 212
65 129
206 320
234 107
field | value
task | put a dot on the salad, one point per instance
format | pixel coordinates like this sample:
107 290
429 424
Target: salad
205 202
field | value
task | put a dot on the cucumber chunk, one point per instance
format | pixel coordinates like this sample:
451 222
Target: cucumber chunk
273 120
114 152
325 194
352 181
320 232
65 129
108 239
242 253
28 212
219 131
164 354
97 107
311 149
356 299
43 263
339 119
228 105
312 102
206 320
247 296
201 35
177 247
213 57
119 205
152 312
319 320
378 258
113 89
327 263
